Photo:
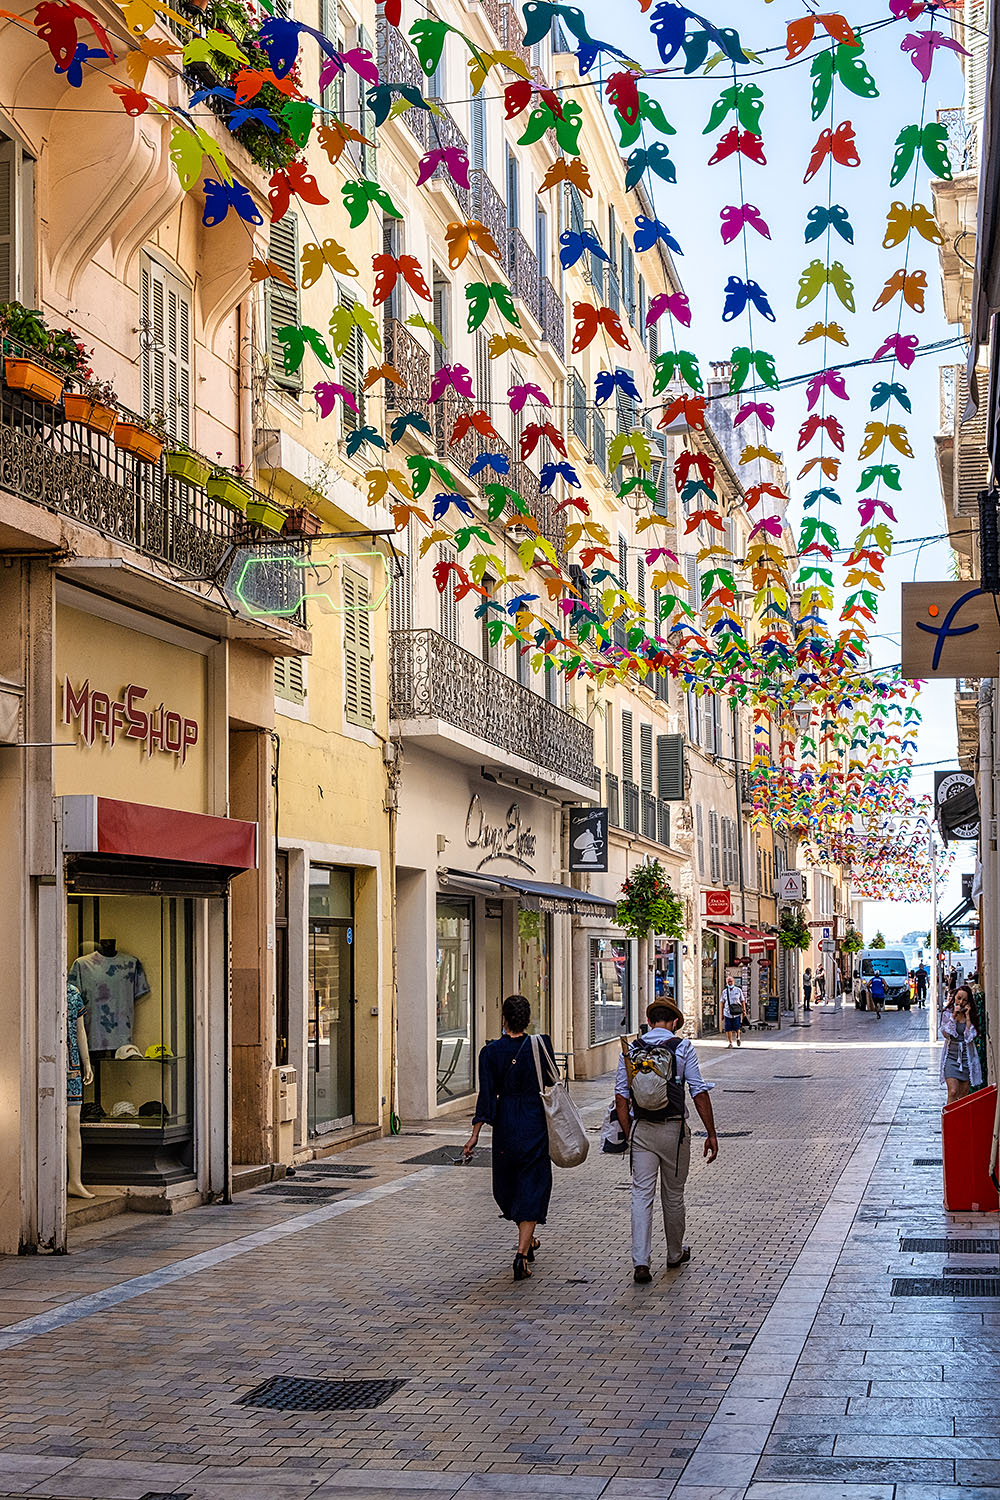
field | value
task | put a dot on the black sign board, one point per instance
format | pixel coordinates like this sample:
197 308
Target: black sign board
956 806
588 839
967 880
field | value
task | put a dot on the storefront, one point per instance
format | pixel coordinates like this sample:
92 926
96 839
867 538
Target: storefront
750 963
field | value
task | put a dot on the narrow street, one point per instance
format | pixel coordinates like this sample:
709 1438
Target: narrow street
776 1365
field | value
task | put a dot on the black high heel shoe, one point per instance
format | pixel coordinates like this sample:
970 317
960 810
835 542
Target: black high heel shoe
530 1252
521 1272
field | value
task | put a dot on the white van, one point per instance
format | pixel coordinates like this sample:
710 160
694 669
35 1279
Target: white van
891 964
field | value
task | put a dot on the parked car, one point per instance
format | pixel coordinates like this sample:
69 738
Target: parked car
891 964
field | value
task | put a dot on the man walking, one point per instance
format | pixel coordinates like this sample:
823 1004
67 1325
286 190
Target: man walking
652 1112
921 985
734 1012
876 990
807 988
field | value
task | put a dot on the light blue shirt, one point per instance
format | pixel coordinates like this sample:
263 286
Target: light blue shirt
688 1070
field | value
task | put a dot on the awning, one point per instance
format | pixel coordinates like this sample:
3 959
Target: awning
100 825
745 934
538 895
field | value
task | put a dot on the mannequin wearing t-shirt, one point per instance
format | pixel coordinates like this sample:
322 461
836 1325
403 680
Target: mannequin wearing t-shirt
78 1073
110 982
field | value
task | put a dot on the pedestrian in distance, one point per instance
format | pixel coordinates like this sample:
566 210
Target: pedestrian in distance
876 994
807 985
652 1112
734 1012
961 1069
819 987
510 1101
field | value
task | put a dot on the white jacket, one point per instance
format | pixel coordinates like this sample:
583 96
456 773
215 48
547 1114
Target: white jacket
967 1052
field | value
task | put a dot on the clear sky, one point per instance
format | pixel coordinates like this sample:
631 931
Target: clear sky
692 206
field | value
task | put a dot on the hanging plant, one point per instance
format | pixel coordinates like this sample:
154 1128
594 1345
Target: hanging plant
793 932
853 942
878 941
947 941
529 925
649 905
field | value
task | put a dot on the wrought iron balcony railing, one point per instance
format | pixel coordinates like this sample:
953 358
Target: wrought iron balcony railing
553 318
77 472
398 63
445 133
411 359
523 271
432 678
491 211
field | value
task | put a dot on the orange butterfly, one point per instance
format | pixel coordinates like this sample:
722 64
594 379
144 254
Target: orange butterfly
575 172
382 372
589 319
461 237
388 270
262 270
334 136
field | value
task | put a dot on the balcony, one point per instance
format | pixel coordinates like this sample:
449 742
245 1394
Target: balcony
491 211
465 709
398 63
553 318
72 471
523 273
406 354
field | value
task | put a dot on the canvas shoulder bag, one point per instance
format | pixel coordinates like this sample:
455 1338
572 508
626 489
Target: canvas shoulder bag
568 1143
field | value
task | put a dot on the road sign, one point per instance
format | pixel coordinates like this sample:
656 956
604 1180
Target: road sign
828 946
790 885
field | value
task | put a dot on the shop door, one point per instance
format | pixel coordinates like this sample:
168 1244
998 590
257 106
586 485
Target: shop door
494 967
331 1015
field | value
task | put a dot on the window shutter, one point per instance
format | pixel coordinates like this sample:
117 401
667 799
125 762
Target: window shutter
358 697
479 147
600 443
366 122
576 219
352 371
642 307
661 505
401 594
449 622
700 825
713 845
8 222
513 186
440 289
332 97
578 398
289 679
646 757
484 373
178 357
282 302
623 560
653 340
640 592
627 764
670 767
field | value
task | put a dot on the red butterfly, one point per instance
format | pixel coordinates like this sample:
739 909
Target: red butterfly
841 144
389 268
589 319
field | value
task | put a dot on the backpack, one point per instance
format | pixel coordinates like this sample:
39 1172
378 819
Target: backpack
657 1094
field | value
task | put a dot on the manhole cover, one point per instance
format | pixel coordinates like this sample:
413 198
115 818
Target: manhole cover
346 1169
290 1393
927 1161
939 1286
448 1156
929 1245
305 1193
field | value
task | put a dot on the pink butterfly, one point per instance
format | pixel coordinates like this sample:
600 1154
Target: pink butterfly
456 377
674 303
902 347
867 509
830 380
762 410
326 397
770 524
453 158
734 219
922 45
358 58
518 395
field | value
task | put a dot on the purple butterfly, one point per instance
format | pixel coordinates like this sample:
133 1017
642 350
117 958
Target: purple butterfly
734 218
902 347
921 45
770 524
326 397
518 395
358 58
453 158
830 380
674 303
455 377
762 410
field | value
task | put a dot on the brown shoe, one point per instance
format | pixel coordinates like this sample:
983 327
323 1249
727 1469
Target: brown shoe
642 1273
685 1256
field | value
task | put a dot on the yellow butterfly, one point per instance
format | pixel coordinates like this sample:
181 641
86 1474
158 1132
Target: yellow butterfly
511 344
314 257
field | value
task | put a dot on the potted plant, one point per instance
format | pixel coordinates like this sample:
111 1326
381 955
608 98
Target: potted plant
853 942
38 359
264 512
649 905
143 437
229 486
95 406
302 522
188 467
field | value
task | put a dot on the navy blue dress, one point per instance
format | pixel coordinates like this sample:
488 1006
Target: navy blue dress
509 1100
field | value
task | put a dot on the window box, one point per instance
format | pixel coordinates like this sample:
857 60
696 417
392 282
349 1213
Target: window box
34 379
188 468
264 513
230 490
138 441
89 413
302 522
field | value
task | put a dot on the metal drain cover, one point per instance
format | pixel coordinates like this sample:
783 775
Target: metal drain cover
448 1156
792 1075
167 1495
291 1393
929 1245
927 1161
726 1135
940 1286
305 1192
345 1169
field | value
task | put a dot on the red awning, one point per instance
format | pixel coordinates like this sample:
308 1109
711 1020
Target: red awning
99 825
745 934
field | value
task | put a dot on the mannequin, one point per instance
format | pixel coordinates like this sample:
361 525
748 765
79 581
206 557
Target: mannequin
107 946
78 1073
110 982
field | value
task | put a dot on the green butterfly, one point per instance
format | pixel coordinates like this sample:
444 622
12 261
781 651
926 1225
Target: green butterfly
298 117
499 497
888 473
745 360
930 142
428 38
359 196
683 363
294 340
748 102
480 296
567 130
649 109
422 468
843 62
344 320
637 482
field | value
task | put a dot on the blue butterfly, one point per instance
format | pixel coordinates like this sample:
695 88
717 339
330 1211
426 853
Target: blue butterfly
74 69
823 494
608 380
200 95
498 462
406 419
220 197
589 51
649 231
279 38
262 116
576 245
520 602
362 435
443 503
739 293
882 393
657 159
551 471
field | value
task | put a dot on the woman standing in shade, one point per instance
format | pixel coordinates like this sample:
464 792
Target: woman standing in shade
960 1066
510 1101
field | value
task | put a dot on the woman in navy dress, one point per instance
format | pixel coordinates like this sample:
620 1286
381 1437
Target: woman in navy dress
510 1101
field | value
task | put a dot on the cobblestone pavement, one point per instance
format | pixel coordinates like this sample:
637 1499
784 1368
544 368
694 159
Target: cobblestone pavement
775 1366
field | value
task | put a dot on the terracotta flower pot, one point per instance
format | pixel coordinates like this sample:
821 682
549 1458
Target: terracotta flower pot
188 468
132 438
92 414
34 379
264 513
302 522
230 490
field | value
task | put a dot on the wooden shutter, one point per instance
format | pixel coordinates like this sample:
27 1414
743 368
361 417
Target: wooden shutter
627 763
441 313
401 593
332 97
178 361
578 400
623 560
289 679
653 340
282 302
646 757
449 623
576 217
713 845
17 224
358 696
352 371
153 372
661 505
479 140
513 190
640 592
700 826
484 373
670 767
600 443
166 348
8 221
642 308
366 123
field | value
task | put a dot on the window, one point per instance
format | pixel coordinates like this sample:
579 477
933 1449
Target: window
282 307
646 757
441 290
449 623
358 692
352 371
479 139
542 240
642 307
392 244
455 1019
693 717
437 83
576 219
332 97
488 649
713 846
513 190
578 401
289 678
600 443
17 224
366 115
166 351
484 374
627 765
700 827
610 988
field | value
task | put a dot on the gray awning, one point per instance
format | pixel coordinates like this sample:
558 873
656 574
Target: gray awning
539 895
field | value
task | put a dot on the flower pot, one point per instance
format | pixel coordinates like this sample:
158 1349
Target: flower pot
188 468
34 379
92 414
302 522
263 513
230 490
132 438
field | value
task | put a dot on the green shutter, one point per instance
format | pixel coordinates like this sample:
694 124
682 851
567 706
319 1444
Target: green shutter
358 697
282 302
369 155
670 767
352 371
289 679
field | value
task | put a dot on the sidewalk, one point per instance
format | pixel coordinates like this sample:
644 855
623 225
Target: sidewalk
775 1366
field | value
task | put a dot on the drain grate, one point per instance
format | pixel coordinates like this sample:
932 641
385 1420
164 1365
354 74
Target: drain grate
344 1169
739 1091
929 1245
449 1156
793 1075
928 1161
292 1393
167 1495
305 1193
726 1135
940 1286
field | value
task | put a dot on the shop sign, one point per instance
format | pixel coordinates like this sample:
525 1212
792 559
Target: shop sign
948 630
510 840
757 950
718 904
98 715
588 839
956 805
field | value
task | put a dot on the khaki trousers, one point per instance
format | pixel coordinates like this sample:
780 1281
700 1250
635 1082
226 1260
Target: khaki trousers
657 1148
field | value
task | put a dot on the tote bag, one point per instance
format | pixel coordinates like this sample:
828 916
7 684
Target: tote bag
568 1143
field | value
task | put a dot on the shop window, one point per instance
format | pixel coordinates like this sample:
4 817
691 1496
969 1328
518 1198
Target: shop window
132 959
281 302
166 347
710 988
610 988
331 989
454 999
358 690
667 969
17 223
534 981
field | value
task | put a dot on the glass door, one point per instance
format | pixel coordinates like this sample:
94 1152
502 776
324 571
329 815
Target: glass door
331 995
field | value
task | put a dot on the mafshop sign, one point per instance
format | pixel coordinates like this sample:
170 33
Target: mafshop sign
718 904
160 730
510 839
